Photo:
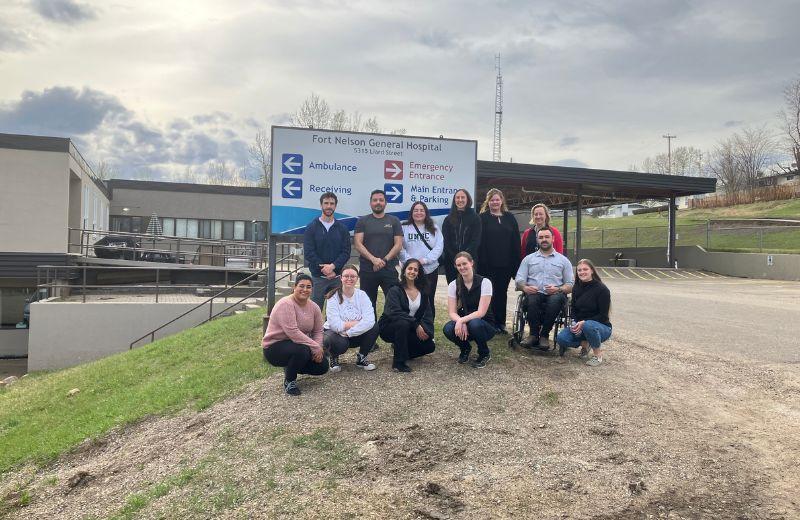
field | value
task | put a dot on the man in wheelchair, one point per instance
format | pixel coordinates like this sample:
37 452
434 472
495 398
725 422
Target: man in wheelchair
545 277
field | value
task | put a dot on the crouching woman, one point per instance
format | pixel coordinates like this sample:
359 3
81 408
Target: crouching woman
468 299
351 322
591 301
407 319
294 336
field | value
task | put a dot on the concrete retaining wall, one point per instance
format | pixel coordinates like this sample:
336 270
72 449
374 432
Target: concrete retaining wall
67 334
743 265
13 343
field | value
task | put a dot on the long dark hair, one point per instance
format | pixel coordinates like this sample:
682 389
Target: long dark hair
461 288
421 282
338 289
429 225
453 209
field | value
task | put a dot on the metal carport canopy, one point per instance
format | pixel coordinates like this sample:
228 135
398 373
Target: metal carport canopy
559 186
579 188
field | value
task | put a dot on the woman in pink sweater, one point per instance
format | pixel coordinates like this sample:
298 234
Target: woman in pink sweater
294 336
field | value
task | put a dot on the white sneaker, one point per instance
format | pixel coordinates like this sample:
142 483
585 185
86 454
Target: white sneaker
363 362
595 361
335 367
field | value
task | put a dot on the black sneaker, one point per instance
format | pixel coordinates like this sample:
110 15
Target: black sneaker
463 358
481 361
401 367
363 362
291 388
335 367
501 330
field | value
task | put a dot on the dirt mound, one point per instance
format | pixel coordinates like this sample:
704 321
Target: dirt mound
651 434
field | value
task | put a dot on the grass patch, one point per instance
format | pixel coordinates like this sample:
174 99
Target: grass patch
550 397
196 367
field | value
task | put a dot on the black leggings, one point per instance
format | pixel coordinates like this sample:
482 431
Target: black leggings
336 344
296 359
402 334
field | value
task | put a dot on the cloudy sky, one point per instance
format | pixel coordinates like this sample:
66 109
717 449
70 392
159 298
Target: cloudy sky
156 86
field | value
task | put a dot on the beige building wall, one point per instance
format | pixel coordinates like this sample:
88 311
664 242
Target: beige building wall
35 201
58 340
189 205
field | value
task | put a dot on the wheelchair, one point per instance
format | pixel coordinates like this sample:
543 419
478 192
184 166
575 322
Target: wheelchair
520 320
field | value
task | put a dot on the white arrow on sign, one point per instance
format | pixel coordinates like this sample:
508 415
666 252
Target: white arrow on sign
290 188
394 170
289 163
394 193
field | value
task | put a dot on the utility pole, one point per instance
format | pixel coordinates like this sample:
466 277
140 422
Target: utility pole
498 110
669 139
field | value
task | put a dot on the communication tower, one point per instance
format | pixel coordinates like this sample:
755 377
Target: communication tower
498 110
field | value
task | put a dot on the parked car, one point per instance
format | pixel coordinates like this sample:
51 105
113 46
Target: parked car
117 247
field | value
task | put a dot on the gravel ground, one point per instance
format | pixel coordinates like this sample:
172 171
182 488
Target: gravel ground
656 432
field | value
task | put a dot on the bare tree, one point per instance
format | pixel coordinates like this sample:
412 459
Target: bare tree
790 119
686 161
223 173
261 157
740 160
104 170
314 112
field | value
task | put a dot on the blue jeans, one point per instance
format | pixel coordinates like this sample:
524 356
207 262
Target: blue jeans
478 331
594 332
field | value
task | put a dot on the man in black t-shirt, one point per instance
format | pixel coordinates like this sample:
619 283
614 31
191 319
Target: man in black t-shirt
379 239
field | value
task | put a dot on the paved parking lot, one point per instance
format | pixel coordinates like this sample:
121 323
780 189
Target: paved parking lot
637 273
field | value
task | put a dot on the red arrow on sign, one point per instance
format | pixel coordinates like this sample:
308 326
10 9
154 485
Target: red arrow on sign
393 170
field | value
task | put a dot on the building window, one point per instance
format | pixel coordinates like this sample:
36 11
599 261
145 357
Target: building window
227 230
180 227
168 226
216 229
191 228
137 225
238 230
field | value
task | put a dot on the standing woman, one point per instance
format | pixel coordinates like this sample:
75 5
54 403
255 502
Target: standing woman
540 217
499 251
424 241
462 232
468 300
351 321
294 336
407 320
591 302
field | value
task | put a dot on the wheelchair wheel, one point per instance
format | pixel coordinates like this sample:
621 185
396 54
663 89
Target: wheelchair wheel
561 321
518 323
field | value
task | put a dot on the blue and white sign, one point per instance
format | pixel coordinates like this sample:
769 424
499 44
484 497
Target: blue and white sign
352 164
292 163
394 193
292 188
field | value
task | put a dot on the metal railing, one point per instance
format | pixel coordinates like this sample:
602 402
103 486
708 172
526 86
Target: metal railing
174 249
76 277
713 236
209 302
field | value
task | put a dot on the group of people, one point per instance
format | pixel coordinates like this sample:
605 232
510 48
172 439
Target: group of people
481 252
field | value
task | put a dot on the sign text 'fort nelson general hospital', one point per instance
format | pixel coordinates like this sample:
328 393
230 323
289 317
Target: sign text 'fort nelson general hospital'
307 163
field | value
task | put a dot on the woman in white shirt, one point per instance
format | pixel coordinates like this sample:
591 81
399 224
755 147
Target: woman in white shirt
424 241
350 321
468 299
407 319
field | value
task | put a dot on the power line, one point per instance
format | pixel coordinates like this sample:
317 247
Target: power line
498 110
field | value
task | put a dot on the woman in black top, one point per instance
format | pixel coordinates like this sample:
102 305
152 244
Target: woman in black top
469 298
461 230
407 320
499 251
591 302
